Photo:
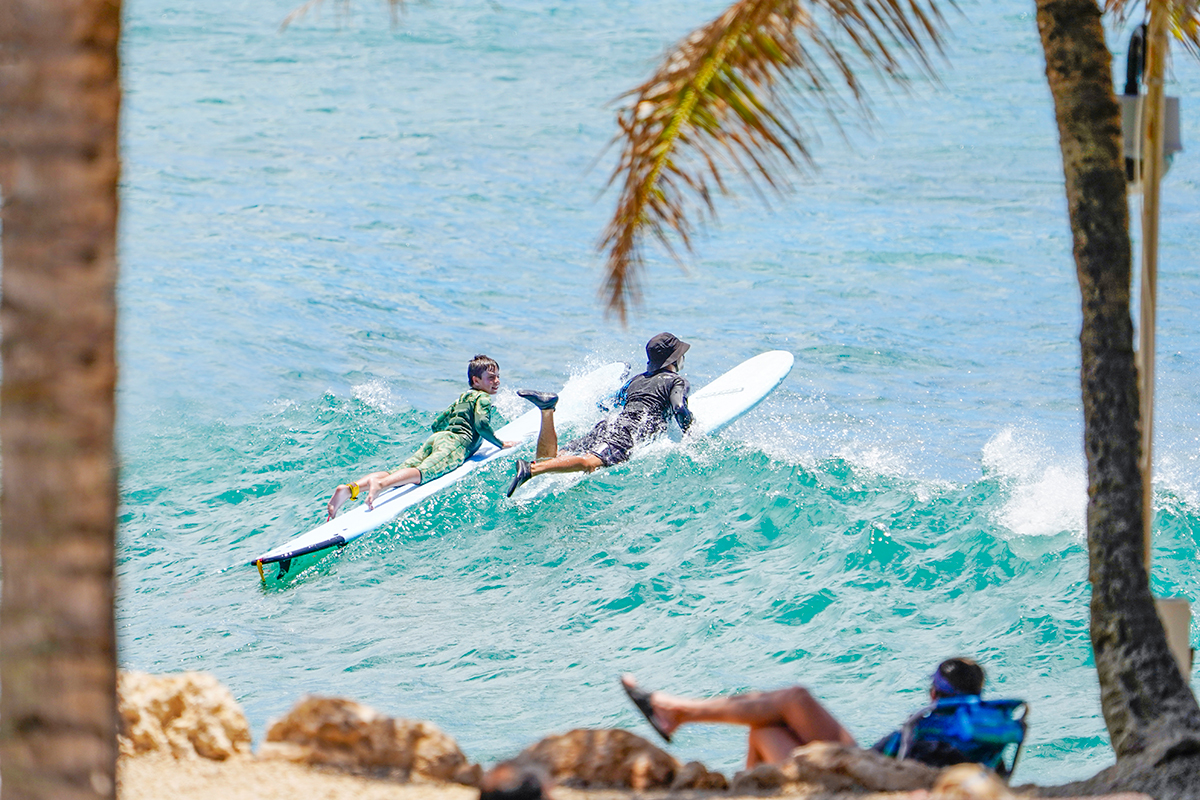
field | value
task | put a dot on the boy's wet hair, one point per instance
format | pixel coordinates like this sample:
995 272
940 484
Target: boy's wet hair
479 365
964 674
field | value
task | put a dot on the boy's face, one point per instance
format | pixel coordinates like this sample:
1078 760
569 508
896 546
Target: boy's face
487 382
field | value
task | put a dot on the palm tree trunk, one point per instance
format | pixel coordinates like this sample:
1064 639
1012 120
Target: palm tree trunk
1146 703
59 104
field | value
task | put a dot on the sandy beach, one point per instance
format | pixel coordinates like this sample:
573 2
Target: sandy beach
156 776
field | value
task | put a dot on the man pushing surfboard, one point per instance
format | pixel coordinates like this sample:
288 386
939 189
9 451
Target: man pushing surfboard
646 403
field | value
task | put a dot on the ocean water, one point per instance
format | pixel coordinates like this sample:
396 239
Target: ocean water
322 225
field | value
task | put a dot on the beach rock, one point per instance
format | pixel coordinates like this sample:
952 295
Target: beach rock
188 714
694 775
764 778
350 736
843 768
603 758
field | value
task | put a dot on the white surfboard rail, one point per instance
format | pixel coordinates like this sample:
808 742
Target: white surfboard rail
738 391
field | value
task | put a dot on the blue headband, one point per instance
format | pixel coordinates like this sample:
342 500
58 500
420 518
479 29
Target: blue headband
944 687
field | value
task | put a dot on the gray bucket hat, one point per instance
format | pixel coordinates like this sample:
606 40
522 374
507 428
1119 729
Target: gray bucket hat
664 350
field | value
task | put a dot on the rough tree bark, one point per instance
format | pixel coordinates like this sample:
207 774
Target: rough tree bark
1148 708
59 105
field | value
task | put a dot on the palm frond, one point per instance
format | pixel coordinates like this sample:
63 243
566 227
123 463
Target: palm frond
722 100
1184 24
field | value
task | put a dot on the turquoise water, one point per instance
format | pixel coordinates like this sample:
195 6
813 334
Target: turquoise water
321 226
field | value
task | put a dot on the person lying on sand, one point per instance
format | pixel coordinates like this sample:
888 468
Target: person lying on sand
458 432
783 720
646 401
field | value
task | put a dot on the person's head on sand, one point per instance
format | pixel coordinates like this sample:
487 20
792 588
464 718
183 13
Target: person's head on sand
483 373
956 677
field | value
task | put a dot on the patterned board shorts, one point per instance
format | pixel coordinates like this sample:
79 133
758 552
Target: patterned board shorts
442 452
612 444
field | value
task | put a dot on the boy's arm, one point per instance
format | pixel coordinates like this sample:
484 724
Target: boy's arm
483 421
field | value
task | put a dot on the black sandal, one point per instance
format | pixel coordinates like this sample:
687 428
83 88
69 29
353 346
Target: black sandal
641 699
523 474
542 400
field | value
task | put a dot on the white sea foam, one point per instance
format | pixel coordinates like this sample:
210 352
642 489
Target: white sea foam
789 428
1179 474
378 395
806 439
509 404
1047 494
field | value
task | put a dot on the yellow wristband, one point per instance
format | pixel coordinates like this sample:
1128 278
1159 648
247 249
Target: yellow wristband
354 490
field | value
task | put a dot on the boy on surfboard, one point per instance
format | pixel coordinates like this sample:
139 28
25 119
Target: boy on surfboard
646 402
458 432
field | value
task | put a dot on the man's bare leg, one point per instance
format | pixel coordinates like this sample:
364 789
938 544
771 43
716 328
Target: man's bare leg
567 463
547 443
769 746
779 721
547 456
570 463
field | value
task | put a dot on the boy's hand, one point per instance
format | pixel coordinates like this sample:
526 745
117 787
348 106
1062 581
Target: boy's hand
509 445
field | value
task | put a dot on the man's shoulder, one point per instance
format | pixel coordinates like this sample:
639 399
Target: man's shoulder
673 379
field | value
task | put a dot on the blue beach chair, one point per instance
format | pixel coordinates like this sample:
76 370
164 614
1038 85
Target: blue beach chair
980 731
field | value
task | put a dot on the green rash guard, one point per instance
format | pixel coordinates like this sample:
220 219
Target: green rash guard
457 433
470 416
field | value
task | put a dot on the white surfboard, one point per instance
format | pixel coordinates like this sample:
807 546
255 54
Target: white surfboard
737 391
577 399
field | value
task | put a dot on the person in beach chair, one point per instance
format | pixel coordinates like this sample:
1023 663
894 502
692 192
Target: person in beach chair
647 401
957 727
457 433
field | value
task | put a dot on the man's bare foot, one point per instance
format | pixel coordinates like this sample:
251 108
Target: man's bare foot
340 495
